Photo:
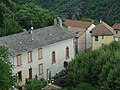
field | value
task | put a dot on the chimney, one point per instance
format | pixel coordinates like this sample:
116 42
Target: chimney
100 20
31 30
58 21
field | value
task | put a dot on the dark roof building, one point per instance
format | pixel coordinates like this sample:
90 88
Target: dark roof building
102 29
30 40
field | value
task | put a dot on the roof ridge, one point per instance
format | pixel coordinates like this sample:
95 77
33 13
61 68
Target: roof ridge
106 26
77 23
78 20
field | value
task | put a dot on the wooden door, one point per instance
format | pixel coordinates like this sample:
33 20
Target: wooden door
30 73
20 75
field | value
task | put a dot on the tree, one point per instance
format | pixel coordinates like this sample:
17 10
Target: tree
33 15
10 27
90 20
100 67
71 10
14 14
81 86
108 10
6 78
5 12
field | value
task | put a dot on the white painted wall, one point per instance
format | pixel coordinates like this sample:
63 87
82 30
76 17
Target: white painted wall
60 50
88 37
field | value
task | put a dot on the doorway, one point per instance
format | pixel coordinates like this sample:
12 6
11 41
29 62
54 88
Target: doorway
30 73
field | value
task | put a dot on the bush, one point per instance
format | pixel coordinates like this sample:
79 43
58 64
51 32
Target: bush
35 85
99 67
81 86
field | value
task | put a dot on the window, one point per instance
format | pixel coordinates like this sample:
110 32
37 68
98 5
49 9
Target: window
102 45
20 76
30 56
67 53
40 68
40 53
96 38
19 60
90 32
53 57
116 32
102 36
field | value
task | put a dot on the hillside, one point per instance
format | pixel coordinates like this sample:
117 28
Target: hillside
108 10
15 15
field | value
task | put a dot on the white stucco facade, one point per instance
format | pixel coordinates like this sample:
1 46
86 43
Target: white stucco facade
60 54
89 37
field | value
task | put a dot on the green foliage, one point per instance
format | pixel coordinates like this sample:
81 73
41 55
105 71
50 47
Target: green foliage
25 13
90 20
5 12
6 78
99 67
10 27
108 10
33 15
35 85
85 86
81 86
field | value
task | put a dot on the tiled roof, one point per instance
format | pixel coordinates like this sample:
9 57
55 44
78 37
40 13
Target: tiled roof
76 23
77 31
103 29
25 41
116 26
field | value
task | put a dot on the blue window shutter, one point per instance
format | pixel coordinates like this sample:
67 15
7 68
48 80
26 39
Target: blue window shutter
102 36
96 38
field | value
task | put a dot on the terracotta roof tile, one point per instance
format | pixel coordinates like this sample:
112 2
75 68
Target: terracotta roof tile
76 23
77 31
116 26
103 29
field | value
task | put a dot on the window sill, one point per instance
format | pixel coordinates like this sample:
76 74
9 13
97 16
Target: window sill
19 65
41 74
30 62
40 58
67 57
53 63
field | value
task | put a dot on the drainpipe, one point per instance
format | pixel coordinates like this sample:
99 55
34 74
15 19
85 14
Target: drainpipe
47 76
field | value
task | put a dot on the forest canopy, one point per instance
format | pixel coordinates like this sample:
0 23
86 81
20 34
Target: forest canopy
14 16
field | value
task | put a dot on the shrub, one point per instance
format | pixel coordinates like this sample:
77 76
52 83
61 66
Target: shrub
99 67
35 85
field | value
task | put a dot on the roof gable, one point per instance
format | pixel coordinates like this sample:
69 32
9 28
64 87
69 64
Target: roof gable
102 29
77 31
116 26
